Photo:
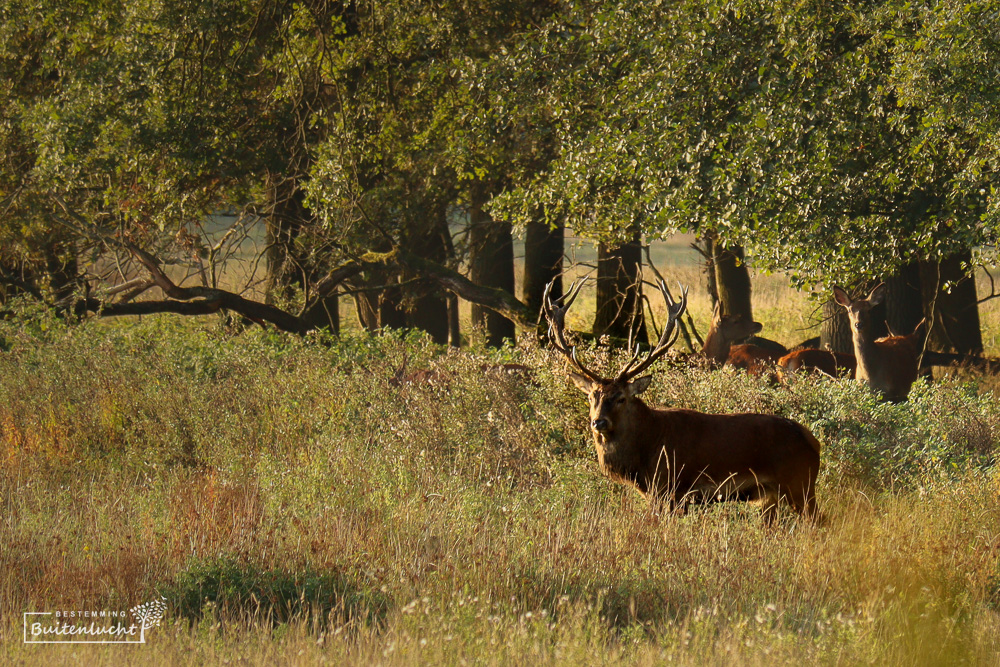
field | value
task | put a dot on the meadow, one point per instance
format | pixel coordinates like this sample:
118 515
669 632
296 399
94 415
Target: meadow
295 501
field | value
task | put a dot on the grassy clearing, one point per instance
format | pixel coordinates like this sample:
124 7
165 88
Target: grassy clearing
294 503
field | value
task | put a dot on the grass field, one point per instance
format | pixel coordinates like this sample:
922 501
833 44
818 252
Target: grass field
293 503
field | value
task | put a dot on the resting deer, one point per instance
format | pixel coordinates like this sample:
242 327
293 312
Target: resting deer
834 364
889 365
724 331
675 453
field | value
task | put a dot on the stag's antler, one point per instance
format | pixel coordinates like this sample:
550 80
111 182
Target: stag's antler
667 337
555 313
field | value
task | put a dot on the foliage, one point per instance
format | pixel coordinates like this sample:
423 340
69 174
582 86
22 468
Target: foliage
800 130
229 590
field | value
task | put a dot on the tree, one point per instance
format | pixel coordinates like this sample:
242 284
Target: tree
731 279
619 291
128 130
491 263
799 131
543 258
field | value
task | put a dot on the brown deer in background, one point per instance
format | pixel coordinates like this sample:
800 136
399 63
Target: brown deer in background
889 365
724 331
834 364
674 454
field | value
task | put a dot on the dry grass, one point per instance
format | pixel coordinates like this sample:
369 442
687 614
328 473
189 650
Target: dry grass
295 505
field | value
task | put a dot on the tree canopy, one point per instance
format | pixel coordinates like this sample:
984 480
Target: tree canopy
833 140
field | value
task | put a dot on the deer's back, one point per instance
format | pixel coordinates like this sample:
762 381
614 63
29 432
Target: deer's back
745 440
831 363
752 358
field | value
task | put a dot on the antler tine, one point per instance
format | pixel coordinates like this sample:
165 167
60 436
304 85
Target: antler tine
636 312
555 312
628 364
667 337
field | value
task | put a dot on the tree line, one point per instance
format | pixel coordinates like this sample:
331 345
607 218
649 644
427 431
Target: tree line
392 149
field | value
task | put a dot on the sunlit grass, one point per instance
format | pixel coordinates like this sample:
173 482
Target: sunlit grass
296 503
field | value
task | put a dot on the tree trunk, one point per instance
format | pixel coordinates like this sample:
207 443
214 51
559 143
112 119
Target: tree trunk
619 292
14 279
955 315
430 313
61 270
287 216
491 264
835 332
284 220
325 313
543 260
454 327
380 305
904 304
732 280
427 306
704 247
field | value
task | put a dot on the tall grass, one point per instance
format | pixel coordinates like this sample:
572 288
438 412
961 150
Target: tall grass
295 501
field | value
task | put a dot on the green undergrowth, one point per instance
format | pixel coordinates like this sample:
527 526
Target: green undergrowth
379 499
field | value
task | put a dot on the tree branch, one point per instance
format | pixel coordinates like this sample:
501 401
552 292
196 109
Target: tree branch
498 300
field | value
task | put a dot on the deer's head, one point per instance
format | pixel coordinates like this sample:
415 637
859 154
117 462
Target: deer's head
611 400
859 310
737 327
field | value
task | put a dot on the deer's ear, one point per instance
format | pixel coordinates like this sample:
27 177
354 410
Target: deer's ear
582 383
639 385
877 295
841 297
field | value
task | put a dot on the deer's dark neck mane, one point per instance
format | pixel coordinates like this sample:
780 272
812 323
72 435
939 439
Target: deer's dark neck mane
623 454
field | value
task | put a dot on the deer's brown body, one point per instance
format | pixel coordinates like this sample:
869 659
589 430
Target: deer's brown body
720 350
834 364
754 359
888 365
673 454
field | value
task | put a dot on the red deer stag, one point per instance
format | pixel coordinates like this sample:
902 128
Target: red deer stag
719 348
676 453
889 365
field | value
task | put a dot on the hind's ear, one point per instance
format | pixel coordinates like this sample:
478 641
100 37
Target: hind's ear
636 387
841 297
878 294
